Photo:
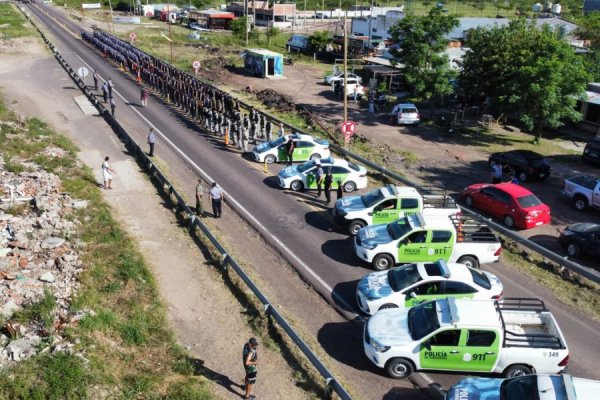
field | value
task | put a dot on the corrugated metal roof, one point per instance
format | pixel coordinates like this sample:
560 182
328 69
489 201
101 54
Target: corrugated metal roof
593 97
472 23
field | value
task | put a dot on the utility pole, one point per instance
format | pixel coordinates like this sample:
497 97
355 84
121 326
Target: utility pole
170 37
246 15
345 67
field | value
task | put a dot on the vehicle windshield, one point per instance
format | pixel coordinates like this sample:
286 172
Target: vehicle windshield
277 142
528 201
371 198
353 166
480 278
398 228
422 320
523 387
306 166
409 111
403 277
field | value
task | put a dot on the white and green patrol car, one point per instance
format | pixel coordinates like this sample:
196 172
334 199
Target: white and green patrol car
306 148
304 176
529 387
427 238
412 284
512 336
387 204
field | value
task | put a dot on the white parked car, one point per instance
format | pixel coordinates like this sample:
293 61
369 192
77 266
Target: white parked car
298 177
406 114
329 79
412 284
306 148
352 83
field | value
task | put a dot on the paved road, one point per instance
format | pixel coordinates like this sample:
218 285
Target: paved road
301 228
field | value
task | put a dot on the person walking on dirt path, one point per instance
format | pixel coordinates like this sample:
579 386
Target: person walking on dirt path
199 195
110 86
151 141
319 179
144 96
95 76
328 183
250 359
105 91
340 189
107 173
289 149
112 106
216 198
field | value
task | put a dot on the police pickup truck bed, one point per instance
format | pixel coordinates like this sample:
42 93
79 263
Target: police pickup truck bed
512 336
423 238
387 204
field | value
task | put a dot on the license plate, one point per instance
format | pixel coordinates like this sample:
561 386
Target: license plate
539 223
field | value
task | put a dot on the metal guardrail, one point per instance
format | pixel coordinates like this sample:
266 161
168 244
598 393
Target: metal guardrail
148 165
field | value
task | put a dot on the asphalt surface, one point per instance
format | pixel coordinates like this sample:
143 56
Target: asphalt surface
301 228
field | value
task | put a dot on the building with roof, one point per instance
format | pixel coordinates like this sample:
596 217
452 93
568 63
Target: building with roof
211 19
265 14
263 63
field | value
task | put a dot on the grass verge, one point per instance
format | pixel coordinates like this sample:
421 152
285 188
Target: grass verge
12 23
128 348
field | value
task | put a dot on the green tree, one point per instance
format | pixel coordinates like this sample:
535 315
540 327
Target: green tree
319 39
239 26
589 29
272 32
421 53
527 71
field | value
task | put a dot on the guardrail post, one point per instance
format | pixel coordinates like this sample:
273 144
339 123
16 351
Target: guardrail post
225 262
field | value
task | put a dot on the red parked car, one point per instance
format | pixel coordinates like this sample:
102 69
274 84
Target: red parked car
513 204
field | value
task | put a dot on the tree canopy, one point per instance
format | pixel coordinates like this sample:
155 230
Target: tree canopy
589 29
421 52
527 71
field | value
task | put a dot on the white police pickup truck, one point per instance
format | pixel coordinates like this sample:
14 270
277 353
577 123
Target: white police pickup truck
423 238
512 336
530 387
387 204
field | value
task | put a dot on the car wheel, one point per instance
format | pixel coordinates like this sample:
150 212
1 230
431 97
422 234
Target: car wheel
580 203
381 262
355 226
573 250
517 370
522 176
270 159
509 221
349 187
469 201
296 185
387 306
315 156
469 261
399 368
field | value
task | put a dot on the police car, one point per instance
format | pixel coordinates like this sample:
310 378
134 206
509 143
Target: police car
306 148
512 336
530 387
412 284
304 176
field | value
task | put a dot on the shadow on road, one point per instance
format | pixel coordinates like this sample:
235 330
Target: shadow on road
341 251
347 291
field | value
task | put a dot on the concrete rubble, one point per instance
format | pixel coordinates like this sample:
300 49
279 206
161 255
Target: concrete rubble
38 254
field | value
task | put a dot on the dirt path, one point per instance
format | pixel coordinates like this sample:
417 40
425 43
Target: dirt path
204 314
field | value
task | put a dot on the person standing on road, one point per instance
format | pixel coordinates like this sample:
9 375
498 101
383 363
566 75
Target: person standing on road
110 86
371 102
328 183
340 189
107 173
151 141
113 105
250 359
496 172
199 194
95 76
216 197
319 179
144 96
289 149
105 91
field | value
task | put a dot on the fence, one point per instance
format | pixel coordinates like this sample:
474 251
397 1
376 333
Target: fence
146 163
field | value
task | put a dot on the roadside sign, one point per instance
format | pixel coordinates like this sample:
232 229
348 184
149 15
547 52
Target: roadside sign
348 128
196 66
82 72
132 36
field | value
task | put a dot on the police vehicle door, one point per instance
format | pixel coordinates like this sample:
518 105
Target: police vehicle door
408 207
303 150
442 350
479 349
413 247
423 292
339 173
386 211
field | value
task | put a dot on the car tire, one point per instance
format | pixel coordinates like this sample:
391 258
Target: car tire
349 187
315 156
517 370
399 368
522 176
381 262
573 249
469 261
469 201
580 203
296 185
388 306
355 226
509 221
270 159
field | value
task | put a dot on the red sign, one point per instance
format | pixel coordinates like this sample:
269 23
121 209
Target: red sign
348 128
132 36
196 64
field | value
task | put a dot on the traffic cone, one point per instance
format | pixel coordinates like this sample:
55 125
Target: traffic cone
226 136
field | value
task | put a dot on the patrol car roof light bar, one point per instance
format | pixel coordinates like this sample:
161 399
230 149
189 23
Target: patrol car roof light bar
444 268
453 310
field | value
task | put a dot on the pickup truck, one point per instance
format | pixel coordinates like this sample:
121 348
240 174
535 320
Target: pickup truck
512 336
583 190
530 387
425 238
387 204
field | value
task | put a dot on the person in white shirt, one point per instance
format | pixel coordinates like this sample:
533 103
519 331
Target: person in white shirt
216 196
107 173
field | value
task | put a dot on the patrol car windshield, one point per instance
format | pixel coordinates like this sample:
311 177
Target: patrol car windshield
480 278
422 320
403 277
398 228
372 198
306 166
523 387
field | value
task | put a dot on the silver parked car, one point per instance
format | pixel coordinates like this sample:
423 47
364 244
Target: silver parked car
406 114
